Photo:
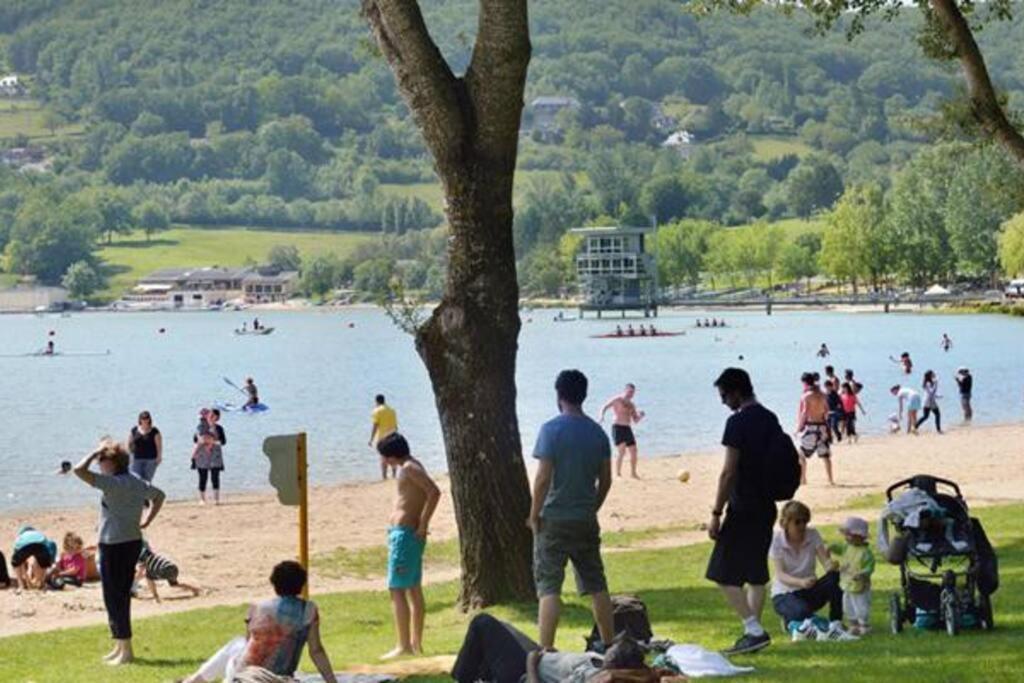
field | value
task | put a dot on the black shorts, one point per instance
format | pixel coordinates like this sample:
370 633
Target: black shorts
36 550
740 554
623 435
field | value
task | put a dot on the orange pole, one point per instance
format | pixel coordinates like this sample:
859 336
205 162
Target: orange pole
300 454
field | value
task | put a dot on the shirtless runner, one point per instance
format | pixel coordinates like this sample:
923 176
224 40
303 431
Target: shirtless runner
407 537
812 426
626 415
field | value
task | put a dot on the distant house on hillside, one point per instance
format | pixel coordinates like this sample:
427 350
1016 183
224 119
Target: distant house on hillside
545 111
682 142
660 120
779 124
20 157
11 86
212 285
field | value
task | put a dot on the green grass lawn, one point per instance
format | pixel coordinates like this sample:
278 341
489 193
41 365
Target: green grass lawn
767 147
25 117
682 605
433 195
131 257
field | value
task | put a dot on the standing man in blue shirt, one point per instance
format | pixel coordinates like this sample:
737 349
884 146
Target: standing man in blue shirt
574 475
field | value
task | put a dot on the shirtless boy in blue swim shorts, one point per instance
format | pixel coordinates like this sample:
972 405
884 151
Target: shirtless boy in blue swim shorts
407 537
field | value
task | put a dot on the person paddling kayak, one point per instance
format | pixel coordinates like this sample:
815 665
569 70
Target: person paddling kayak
250 389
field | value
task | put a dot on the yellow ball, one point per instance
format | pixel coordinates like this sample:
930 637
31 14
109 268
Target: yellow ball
684 476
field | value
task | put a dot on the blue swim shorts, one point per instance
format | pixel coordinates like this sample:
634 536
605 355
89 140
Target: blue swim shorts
405 558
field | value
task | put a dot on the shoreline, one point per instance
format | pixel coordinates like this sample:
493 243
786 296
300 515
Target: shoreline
307 306
214 545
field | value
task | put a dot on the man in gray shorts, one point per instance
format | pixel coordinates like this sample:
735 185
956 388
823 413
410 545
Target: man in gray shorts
574 475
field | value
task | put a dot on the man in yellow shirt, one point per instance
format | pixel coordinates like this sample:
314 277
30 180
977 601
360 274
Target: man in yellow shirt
385 422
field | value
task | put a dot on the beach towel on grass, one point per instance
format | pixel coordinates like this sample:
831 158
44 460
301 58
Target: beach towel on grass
696 662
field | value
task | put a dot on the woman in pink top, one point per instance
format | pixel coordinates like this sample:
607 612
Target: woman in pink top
71 568
278 629
850 401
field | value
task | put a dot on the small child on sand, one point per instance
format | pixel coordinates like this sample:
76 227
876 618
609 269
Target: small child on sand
71 568
856 564
410 519
157 567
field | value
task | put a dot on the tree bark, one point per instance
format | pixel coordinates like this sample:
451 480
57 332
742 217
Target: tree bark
982 94
469 343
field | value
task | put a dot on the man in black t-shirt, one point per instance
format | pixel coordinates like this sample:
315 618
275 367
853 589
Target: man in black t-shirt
739 560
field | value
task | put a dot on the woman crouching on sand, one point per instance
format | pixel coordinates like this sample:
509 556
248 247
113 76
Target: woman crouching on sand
278 629
120 536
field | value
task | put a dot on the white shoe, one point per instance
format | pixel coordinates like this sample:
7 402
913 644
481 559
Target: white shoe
837 633
805 631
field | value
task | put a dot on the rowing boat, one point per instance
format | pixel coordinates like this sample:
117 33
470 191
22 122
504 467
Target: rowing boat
613 335
260 331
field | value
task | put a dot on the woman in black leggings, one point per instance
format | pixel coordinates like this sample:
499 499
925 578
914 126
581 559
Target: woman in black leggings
120 536
208 459
931 400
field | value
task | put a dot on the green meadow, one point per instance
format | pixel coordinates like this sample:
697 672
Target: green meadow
683 606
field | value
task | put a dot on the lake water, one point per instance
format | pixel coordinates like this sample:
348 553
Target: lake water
320 375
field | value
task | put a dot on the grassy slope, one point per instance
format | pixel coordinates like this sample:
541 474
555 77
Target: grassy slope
132 257
432 194
682 604
767 147
26 117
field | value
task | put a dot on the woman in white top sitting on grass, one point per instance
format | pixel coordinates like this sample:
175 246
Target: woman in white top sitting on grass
797 593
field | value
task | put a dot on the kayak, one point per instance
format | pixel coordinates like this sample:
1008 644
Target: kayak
613 335
261 331
44 354
242 408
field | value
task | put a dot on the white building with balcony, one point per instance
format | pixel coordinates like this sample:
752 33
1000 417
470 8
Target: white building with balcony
615 270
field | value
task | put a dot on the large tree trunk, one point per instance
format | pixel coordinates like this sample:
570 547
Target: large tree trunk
984 102
471 126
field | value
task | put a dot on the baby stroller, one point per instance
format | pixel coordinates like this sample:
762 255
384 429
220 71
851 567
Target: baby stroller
948 570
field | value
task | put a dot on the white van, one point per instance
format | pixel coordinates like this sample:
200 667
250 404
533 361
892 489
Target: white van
1014 290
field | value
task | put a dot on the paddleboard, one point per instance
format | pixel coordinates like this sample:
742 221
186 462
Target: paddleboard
242 408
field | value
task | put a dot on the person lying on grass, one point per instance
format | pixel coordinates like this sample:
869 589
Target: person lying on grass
278 629
497 652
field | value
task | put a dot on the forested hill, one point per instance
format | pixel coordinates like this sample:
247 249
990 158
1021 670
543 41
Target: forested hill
317 52
220 112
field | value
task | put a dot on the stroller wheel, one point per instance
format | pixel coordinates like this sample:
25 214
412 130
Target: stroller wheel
950 611
985 612
895 613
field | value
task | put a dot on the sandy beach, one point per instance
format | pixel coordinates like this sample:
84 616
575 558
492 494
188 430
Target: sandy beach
229 550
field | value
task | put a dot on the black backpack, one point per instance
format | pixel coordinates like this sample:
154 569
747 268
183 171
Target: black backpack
630 617
782 467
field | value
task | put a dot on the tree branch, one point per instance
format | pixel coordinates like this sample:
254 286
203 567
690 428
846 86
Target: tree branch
984 101
497 75
424 78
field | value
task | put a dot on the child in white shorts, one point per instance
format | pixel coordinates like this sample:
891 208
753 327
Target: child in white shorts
856 564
